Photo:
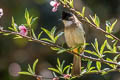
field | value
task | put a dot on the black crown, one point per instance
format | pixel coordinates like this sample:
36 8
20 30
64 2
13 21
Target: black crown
66 15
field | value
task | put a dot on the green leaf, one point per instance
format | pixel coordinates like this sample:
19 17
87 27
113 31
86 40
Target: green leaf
25 73
108 23
13 25
54 74
68 70
83 11
109 27
96 44
108 46
114 47
60 34
108 52
17 37
53 69
98 64
112 26
60 70
28 18
45 39
61 51
49 34
97 21
30 69
92 18
116 57
26 14
55 48
39 35
71 3
33 20
91 52
66 67
53 31
11 28
89 65
87 20
79 13
34 65
91 68
6 34
103 46
33 34
110 37
62 65
58 62
111 65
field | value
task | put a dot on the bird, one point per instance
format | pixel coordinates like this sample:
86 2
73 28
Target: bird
74 36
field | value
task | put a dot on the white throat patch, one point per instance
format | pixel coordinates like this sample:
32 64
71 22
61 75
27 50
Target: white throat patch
67 23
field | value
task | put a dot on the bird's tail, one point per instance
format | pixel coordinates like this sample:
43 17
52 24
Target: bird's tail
76 68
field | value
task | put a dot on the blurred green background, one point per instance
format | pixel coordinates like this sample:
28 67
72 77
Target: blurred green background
16 54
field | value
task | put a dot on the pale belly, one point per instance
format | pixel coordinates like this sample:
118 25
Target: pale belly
74 37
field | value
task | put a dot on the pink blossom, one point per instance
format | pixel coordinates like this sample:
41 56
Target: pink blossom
23 30
66 76
1 12
55 5
55 78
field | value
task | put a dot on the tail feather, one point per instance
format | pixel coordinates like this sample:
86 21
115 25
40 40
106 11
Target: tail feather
76 69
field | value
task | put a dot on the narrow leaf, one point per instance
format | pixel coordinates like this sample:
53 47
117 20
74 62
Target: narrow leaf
25 73
65 68
103 47
39 35
112 26
98 64
116 57
33 33
97 21
53 31
87 20
30 69
13 25
60 34
53 69
45 39
83 11
33 20
34 65
89 65
58 62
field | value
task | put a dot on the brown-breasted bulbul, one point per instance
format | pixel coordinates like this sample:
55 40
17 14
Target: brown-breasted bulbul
74 36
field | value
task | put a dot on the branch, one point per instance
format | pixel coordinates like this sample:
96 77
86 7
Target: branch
55 45
82 19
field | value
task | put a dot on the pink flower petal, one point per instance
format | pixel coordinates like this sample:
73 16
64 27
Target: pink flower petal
54 9
66 76
23 30
55 5
55 79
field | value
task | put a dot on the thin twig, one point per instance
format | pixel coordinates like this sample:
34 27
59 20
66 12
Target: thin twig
55 45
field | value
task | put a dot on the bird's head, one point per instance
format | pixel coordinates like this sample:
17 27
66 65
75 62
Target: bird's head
67 18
